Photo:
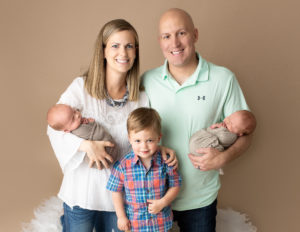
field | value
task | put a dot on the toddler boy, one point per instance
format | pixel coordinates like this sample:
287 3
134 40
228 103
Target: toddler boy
148 184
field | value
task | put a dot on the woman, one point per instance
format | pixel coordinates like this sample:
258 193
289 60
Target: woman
107 92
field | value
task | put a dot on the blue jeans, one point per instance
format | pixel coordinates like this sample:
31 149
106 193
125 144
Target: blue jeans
197 220
77 219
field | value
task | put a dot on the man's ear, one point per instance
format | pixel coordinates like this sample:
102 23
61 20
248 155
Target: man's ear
159 40
196 34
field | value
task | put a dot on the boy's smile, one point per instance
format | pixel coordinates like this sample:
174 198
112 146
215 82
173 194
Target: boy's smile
144 143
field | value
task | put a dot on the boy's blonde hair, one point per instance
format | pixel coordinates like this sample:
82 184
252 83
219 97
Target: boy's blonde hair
144 118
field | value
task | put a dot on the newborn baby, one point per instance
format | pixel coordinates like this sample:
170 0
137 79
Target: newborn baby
62 117
222 135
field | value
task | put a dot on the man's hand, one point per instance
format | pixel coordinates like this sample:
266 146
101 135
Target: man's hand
209 159
155 206
169 157
123 224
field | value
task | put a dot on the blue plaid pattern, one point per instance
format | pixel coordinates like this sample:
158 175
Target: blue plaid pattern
130 176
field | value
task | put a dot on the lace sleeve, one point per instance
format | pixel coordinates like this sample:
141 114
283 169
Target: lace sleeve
65 145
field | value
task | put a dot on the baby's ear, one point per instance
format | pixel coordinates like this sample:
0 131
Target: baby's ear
67 131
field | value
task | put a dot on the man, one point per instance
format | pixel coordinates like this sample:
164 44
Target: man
190 94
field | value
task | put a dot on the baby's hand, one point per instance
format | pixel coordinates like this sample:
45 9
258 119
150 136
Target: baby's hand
87 120
218 125
155 206
123 224
91 119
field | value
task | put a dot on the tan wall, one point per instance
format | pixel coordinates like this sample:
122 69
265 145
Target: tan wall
45 44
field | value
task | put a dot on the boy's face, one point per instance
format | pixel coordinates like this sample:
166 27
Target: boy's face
72 119
144 143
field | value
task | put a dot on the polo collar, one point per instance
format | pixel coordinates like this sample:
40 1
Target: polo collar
200 74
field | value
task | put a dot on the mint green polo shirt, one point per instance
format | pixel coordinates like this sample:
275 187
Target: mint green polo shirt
209 95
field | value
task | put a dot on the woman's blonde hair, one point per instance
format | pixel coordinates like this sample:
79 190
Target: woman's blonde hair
95 76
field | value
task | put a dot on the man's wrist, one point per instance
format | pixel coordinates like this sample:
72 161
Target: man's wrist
223 158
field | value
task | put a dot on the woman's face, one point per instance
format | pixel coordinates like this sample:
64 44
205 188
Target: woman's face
120 52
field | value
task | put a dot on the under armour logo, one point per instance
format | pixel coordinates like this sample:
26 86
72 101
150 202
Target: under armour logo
201 98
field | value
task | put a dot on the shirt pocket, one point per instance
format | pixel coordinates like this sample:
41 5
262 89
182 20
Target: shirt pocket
160 184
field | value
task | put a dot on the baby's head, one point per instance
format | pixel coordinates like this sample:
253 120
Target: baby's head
241 122
144 131
63 118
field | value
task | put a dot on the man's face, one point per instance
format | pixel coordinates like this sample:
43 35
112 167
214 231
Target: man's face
177 39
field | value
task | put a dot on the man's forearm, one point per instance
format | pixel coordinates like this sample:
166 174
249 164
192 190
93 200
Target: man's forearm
237 149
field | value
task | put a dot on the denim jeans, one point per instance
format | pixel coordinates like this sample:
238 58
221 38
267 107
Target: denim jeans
197 220
77 219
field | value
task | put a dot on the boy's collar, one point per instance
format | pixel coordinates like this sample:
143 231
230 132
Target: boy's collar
136 158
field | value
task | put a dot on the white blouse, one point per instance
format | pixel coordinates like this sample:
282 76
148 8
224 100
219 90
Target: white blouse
81 185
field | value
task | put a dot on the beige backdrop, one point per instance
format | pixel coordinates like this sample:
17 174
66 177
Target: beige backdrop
45 44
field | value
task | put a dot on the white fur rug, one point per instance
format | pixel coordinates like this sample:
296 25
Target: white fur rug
47 219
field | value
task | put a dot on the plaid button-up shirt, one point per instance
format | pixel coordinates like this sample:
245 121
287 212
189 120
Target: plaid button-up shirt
139 184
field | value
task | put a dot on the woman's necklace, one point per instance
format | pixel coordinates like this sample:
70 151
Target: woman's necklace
119 102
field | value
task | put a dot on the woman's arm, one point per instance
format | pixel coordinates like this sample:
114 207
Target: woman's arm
65 147
69 149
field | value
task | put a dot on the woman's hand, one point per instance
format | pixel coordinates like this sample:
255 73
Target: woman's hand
95 150
169 156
